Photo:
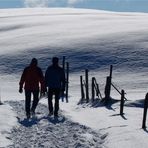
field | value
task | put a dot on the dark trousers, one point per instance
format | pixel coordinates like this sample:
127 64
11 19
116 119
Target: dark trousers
52 92
28 100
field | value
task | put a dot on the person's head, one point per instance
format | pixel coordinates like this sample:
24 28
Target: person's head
55 61
34 62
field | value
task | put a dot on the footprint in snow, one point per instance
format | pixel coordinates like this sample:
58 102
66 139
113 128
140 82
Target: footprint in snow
49 132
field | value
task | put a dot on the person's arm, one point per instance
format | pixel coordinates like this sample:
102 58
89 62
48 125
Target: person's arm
42 81
22 81
46 79
47 76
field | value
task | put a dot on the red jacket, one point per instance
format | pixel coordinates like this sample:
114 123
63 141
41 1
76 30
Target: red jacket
33 78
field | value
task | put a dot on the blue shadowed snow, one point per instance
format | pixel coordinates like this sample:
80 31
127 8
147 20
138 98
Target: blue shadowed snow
125 57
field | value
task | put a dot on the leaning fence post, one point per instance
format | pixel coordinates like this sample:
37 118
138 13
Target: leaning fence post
67 80
145 111
93 89
97 88
122 102
87 85
82 89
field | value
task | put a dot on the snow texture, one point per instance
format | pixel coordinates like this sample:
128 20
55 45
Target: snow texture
7 121
90 39
44 131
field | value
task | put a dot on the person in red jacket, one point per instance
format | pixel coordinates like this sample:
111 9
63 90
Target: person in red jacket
32 80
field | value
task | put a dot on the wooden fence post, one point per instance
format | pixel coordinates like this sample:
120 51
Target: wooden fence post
82 88
145 111
93 88
122 102
111 71
63 92
107 89
108 86
98 91
87 85
67 80
63 63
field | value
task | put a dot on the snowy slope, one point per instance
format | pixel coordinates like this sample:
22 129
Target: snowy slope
50 132
90 39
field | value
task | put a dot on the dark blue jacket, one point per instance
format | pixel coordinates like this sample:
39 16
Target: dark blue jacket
55 77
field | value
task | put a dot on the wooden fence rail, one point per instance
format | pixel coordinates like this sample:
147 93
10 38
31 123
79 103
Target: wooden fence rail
118 90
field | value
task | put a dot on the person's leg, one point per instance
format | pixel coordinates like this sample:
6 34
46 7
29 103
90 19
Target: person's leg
35 100
50 104
57 97
27 102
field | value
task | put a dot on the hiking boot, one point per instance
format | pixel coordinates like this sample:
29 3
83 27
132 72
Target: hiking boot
32 113
50 114
28 116
55 114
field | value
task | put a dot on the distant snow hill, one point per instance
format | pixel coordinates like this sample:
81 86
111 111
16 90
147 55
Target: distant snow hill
89 38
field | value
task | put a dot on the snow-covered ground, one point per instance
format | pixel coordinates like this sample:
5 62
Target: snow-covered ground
89 39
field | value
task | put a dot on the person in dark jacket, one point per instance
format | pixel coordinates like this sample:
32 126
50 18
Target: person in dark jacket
55 82
31 79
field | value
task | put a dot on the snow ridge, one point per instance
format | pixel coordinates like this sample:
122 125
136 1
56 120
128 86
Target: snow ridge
44 131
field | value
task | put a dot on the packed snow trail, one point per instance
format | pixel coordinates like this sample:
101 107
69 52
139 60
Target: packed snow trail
44 131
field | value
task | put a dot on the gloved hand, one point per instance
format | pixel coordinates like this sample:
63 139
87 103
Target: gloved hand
20 90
